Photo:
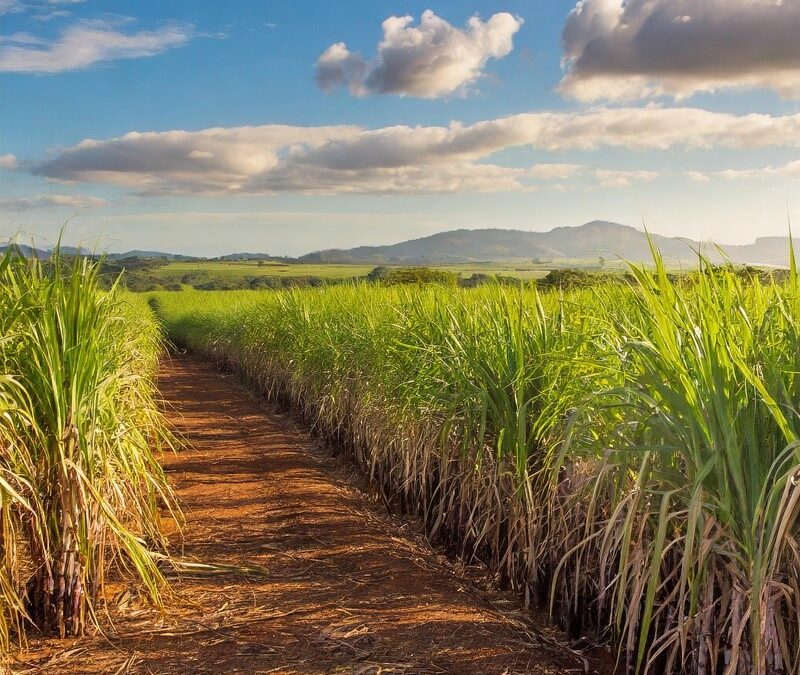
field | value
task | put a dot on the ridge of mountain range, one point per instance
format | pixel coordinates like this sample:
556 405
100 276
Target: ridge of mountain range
589 241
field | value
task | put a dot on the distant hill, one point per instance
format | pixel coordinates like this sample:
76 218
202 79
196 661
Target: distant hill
248 256
29 251
764 251
153 255
25 250
562 244
592 240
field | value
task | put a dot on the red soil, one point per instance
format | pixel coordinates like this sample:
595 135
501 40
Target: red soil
334 584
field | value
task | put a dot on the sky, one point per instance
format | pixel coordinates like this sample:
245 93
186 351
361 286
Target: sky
205 127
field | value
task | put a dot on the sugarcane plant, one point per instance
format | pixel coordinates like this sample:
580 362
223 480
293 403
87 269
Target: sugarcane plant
81 489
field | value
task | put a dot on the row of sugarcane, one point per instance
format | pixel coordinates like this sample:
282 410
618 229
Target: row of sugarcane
81 490
625 455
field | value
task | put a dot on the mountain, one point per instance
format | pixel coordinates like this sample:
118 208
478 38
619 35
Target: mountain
71 250
25 250
29 251
562 244
764 251
585 242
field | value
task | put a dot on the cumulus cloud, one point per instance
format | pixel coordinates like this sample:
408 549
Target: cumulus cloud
429 60
351 159
8 162
631 49
211 160
339 67
85 44
49 201
276 158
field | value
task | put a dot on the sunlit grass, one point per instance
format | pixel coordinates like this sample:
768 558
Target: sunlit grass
80 486
625 454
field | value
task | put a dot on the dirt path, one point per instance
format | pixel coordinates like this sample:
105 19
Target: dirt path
336 585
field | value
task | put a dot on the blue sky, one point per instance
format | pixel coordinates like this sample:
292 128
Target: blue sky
538 114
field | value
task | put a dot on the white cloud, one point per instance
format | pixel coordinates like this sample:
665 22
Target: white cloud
697 176
631 49
13 6
9 6
790 170
8 162
51 15
21 39
85 44
48 201
429 60
425 179
212 160
350 159
338 67
555 171
609 178
48 10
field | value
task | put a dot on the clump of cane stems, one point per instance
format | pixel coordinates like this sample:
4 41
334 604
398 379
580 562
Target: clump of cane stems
80 427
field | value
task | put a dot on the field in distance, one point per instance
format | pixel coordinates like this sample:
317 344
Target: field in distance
231 269
173 271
